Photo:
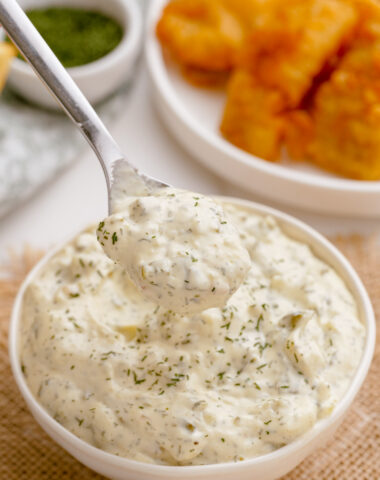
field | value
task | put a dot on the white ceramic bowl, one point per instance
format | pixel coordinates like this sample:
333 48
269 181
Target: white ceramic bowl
98 79
193 116
266 467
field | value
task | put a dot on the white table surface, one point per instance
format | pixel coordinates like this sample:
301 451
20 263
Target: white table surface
78 196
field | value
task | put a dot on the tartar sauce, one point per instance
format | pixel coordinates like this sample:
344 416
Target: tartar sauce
140 381
178 248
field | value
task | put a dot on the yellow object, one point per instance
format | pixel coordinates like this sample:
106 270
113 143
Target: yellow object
201 34
292 42
347 116
7 52
252 116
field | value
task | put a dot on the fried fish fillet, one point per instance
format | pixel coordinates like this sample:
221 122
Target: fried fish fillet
346 116
287 50
7 52
201 34
292 41
252 117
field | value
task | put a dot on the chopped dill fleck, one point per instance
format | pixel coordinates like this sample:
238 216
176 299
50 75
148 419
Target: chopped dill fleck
107 354
226 325
138 381
79 420
257 386
114 238
74 295
260 367
260 319
268 422
221 375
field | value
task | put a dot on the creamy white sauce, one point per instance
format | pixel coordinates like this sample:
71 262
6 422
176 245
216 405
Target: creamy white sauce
178 248
227 384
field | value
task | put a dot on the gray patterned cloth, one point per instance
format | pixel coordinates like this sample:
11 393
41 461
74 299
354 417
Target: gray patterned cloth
36 144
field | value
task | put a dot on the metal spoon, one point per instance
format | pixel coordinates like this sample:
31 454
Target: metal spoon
120 175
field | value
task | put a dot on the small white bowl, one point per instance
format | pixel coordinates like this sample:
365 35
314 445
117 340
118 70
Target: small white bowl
266 467
98 79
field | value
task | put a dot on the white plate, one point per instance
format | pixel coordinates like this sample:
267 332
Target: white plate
193 115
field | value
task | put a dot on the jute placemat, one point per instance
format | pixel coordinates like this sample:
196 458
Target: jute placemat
27 453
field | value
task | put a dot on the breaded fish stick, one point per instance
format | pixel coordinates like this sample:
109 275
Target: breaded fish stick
293 40
252 116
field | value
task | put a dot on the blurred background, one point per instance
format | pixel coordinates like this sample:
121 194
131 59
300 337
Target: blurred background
51 183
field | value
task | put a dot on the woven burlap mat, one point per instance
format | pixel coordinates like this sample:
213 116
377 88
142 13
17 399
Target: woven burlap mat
27 453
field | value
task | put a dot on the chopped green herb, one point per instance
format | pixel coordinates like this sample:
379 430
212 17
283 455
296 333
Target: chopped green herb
138 381
260 367
260 319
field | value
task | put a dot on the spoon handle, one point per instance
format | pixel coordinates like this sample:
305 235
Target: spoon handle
34 48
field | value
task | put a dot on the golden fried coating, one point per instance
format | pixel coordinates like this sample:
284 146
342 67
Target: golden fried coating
347 116
247 11
252 117
298 133
293 40
201 34
205 78
7 52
